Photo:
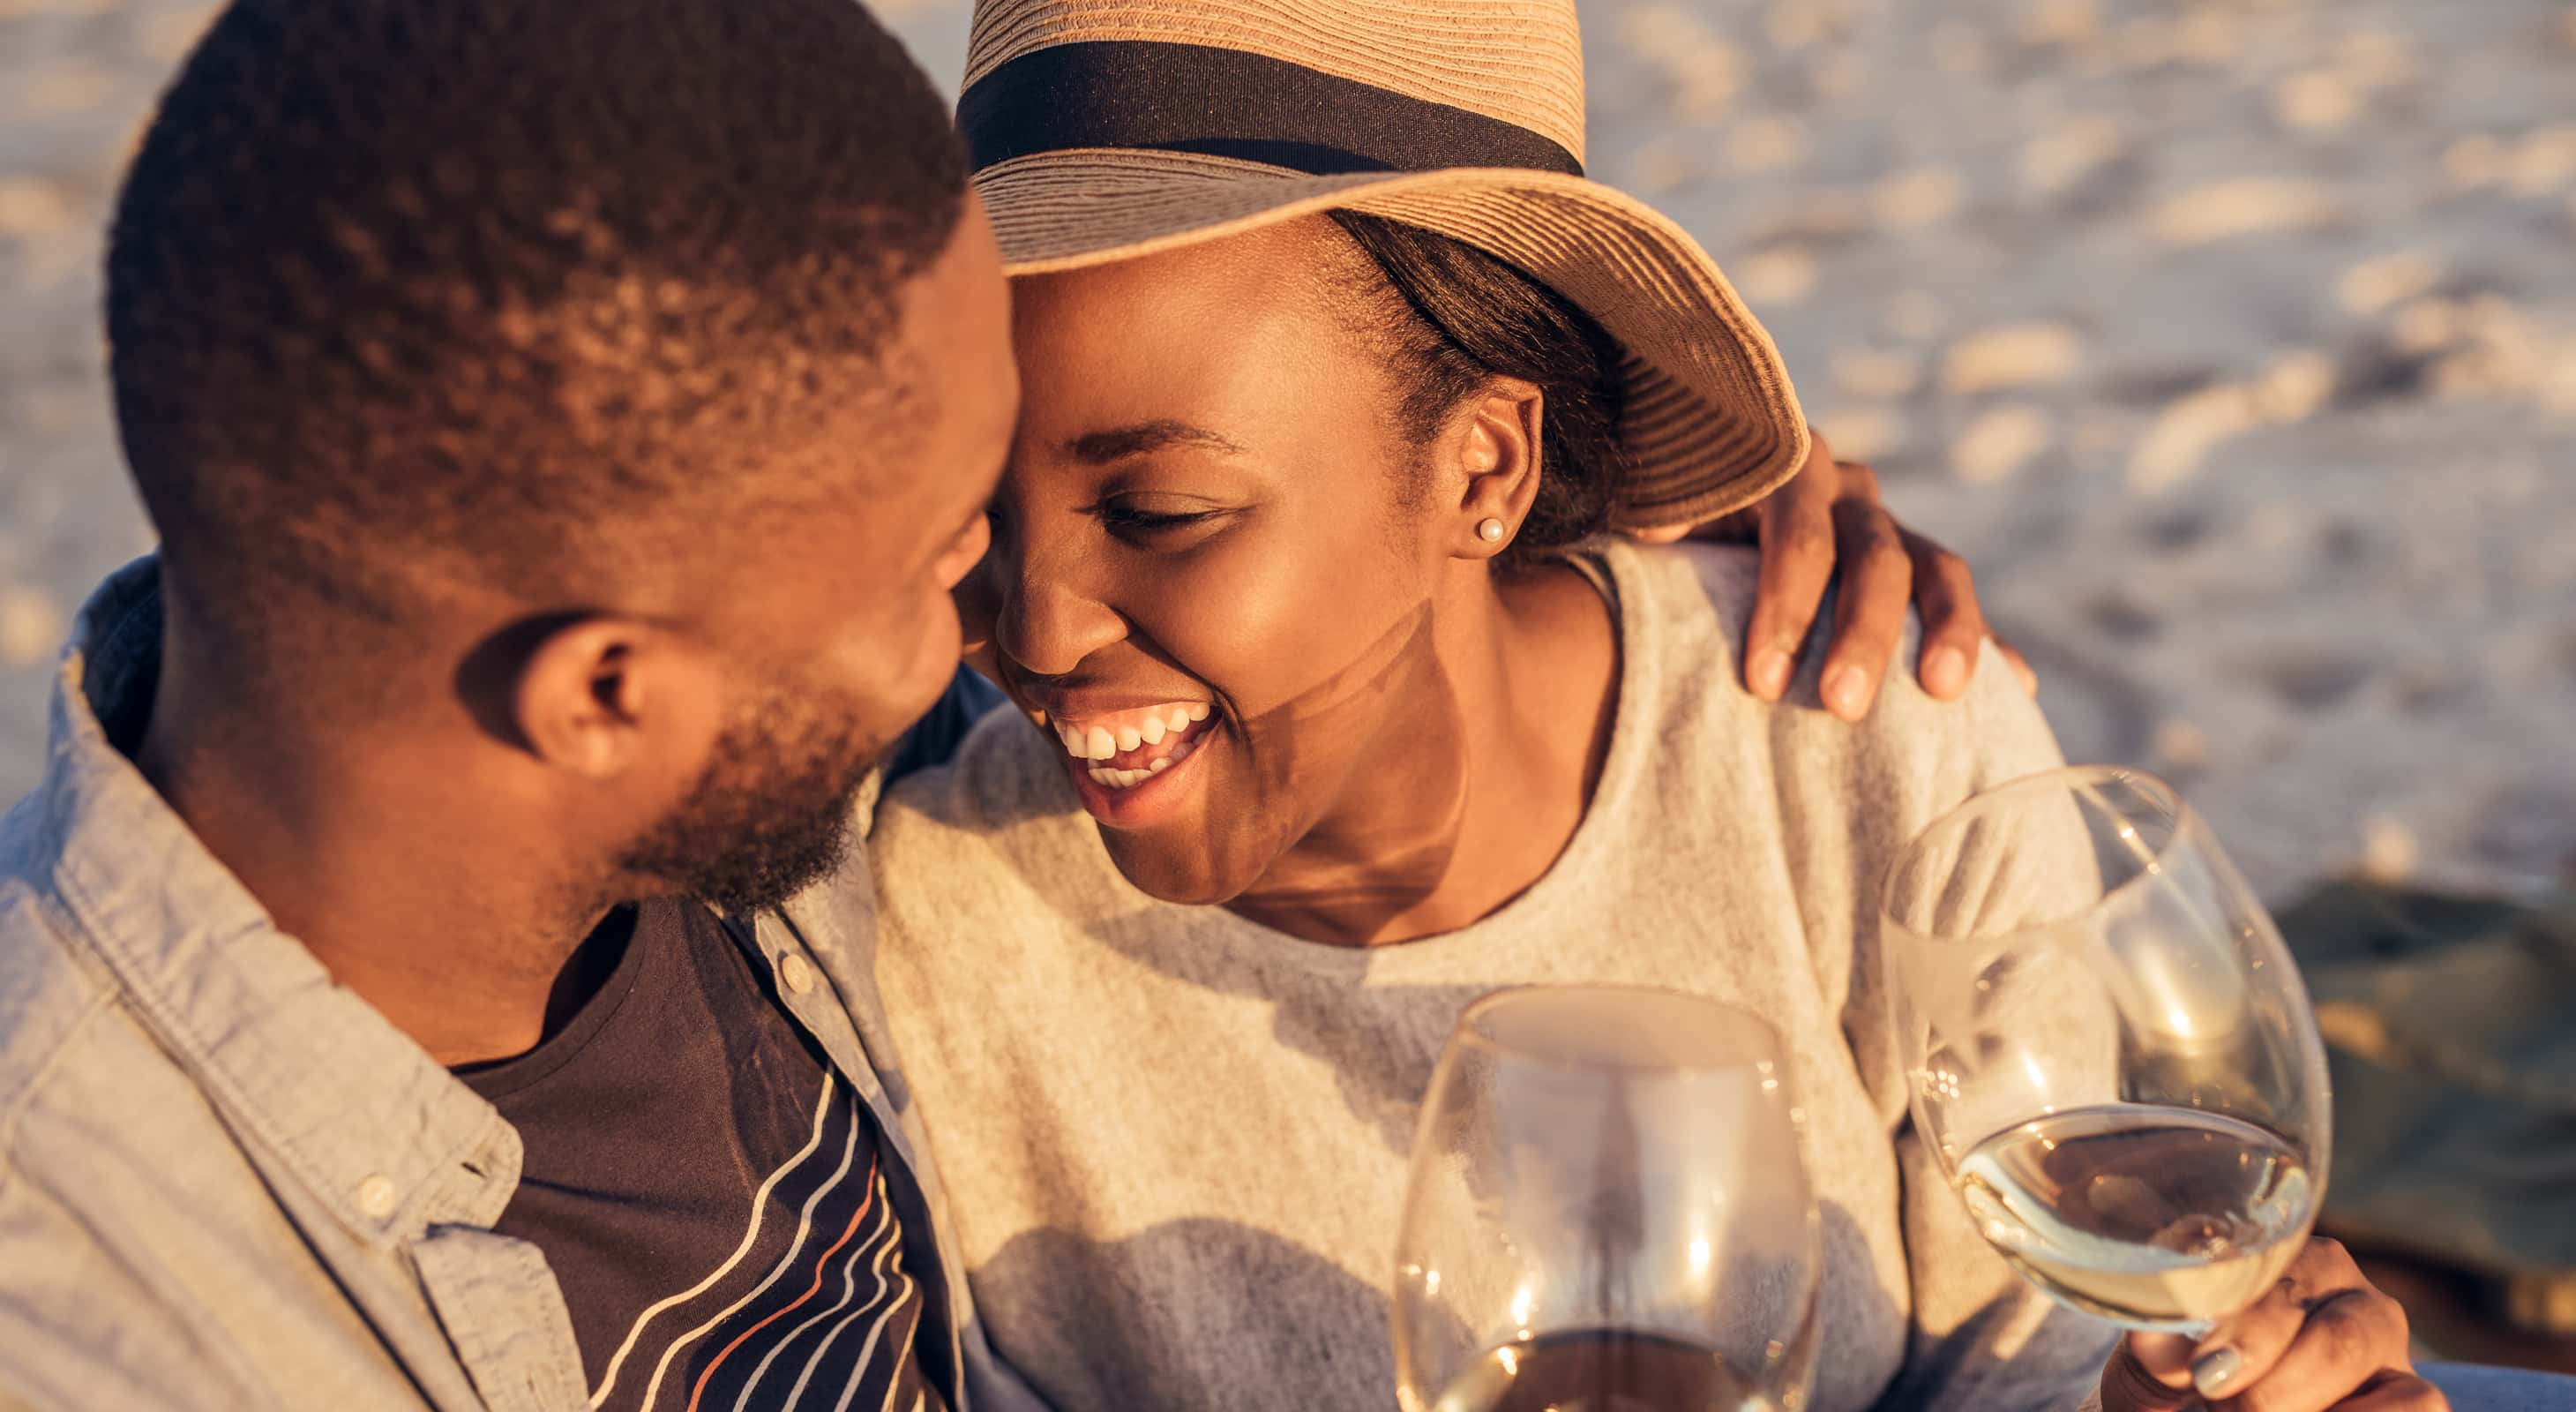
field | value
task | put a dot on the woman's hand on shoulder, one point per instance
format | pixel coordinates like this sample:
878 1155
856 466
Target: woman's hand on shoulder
2323 1340
1828 518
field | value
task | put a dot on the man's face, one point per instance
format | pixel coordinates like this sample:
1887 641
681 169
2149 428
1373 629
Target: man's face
847 633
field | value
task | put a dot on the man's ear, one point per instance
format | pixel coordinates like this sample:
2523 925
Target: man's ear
599 695
1493 455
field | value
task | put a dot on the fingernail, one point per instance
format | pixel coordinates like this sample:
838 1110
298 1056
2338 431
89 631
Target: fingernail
1945 672
2211 1372
1847 691
1769 676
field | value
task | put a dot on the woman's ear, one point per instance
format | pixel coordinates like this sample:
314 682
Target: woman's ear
1495 463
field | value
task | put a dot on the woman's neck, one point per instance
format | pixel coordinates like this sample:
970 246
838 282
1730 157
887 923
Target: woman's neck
1444 832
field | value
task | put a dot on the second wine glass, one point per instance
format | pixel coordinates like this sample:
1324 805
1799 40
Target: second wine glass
1607 1212
2110 1049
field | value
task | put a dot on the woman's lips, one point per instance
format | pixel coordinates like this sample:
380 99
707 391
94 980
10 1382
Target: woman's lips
1130 796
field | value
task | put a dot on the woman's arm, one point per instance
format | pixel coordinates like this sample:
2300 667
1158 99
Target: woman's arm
1980 1339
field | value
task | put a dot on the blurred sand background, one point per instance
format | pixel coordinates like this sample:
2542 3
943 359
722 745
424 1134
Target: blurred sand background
2234 343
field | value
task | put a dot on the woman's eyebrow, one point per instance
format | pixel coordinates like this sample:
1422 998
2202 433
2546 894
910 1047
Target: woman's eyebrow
1102 447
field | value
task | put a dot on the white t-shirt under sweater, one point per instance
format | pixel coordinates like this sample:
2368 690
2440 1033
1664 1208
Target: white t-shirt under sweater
1176 1139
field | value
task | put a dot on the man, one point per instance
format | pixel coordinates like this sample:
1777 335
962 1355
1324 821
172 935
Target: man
564 432
427 976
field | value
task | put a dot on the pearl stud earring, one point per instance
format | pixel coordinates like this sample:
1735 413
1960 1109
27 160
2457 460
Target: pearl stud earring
1489 530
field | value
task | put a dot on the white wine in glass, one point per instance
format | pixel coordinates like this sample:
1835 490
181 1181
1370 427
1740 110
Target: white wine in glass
1607 1212
2109 1047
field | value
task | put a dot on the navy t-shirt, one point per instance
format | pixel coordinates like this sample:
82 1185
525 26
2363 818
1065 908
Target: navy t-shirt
709 1191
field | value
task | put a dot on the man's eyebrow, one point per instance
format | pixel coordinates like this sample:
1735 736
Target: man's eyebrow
1102 447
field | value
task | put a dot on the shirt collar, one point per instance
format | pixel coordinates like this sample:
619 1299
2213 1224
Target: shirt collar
310 1075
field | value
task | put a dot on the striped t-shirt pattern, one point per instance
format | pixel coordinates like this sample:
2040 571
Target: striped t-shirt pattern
711 1195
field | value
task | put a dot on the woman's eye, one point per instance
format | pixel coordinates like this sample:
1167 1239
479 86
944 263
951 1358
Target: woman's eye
1135 520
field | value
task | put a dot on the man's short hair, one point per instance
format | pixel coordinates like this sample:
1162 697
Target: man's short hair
480 287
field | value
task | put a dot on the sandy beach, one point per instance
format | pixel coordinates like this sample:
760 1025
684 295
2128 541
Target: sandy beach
2234 343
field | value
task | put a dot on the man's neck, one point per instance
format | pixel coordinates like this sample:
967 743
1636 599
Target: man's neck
1431 839
450 926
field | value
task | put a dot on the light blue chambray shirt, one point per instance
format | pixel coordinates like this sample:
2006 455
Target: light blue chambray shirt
227 1182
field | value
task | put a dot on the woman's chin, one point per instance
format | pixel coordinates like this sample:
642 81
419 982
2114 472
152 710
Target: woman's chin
1161 831
1173 865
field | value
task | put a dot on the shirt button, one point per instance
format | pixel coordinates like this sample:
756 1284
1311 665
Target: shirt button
376 1198
797 972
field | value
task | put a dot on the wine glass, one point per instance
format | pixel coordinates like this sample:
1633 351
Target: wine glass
2110 1050
1607 1212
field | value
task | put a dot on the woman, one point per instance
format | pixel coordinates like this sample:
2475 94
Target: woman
1335 371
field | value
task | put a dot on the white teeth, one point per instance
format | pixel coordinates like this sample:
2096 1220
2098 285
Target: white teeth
1103 742
1108 778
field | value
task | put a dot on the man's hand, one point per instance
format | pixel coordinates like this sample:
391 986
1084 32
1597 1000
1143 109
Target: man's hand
1828 517
2323 1340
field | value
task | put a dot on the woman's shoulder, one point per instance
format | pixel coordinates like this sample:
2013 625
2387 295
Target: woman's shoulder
1691 604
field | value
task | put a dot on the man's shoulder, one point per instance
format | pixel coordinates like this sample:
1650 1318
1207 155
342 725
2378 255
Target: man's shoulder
81 1081
77 1077
50 992
84 1084
123 1194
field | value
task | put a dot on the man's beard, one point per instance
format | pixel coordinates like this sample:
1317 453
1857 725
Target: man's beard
770 815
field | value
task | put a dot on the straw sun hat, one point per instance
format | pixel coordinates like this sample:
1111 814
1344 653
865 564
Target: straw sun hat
1107 129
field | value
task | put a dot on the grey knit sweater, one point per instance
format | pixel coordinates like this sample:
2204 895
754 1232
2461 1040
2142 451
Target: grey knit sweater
1176 1140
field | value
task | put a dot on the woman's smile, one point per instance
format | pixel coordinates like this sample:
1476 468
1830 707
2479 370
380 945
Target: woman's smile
1128 766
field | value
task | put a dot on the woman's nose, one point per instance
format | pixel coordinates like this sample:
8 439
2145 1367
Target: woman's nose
1046 621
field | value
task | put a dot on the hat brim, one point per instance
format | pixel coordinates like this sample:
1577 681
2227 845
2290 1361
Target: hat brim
1711 423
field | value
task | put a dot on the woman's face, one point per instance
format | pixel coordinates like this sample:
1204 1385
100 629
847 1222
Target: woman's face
1214 561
